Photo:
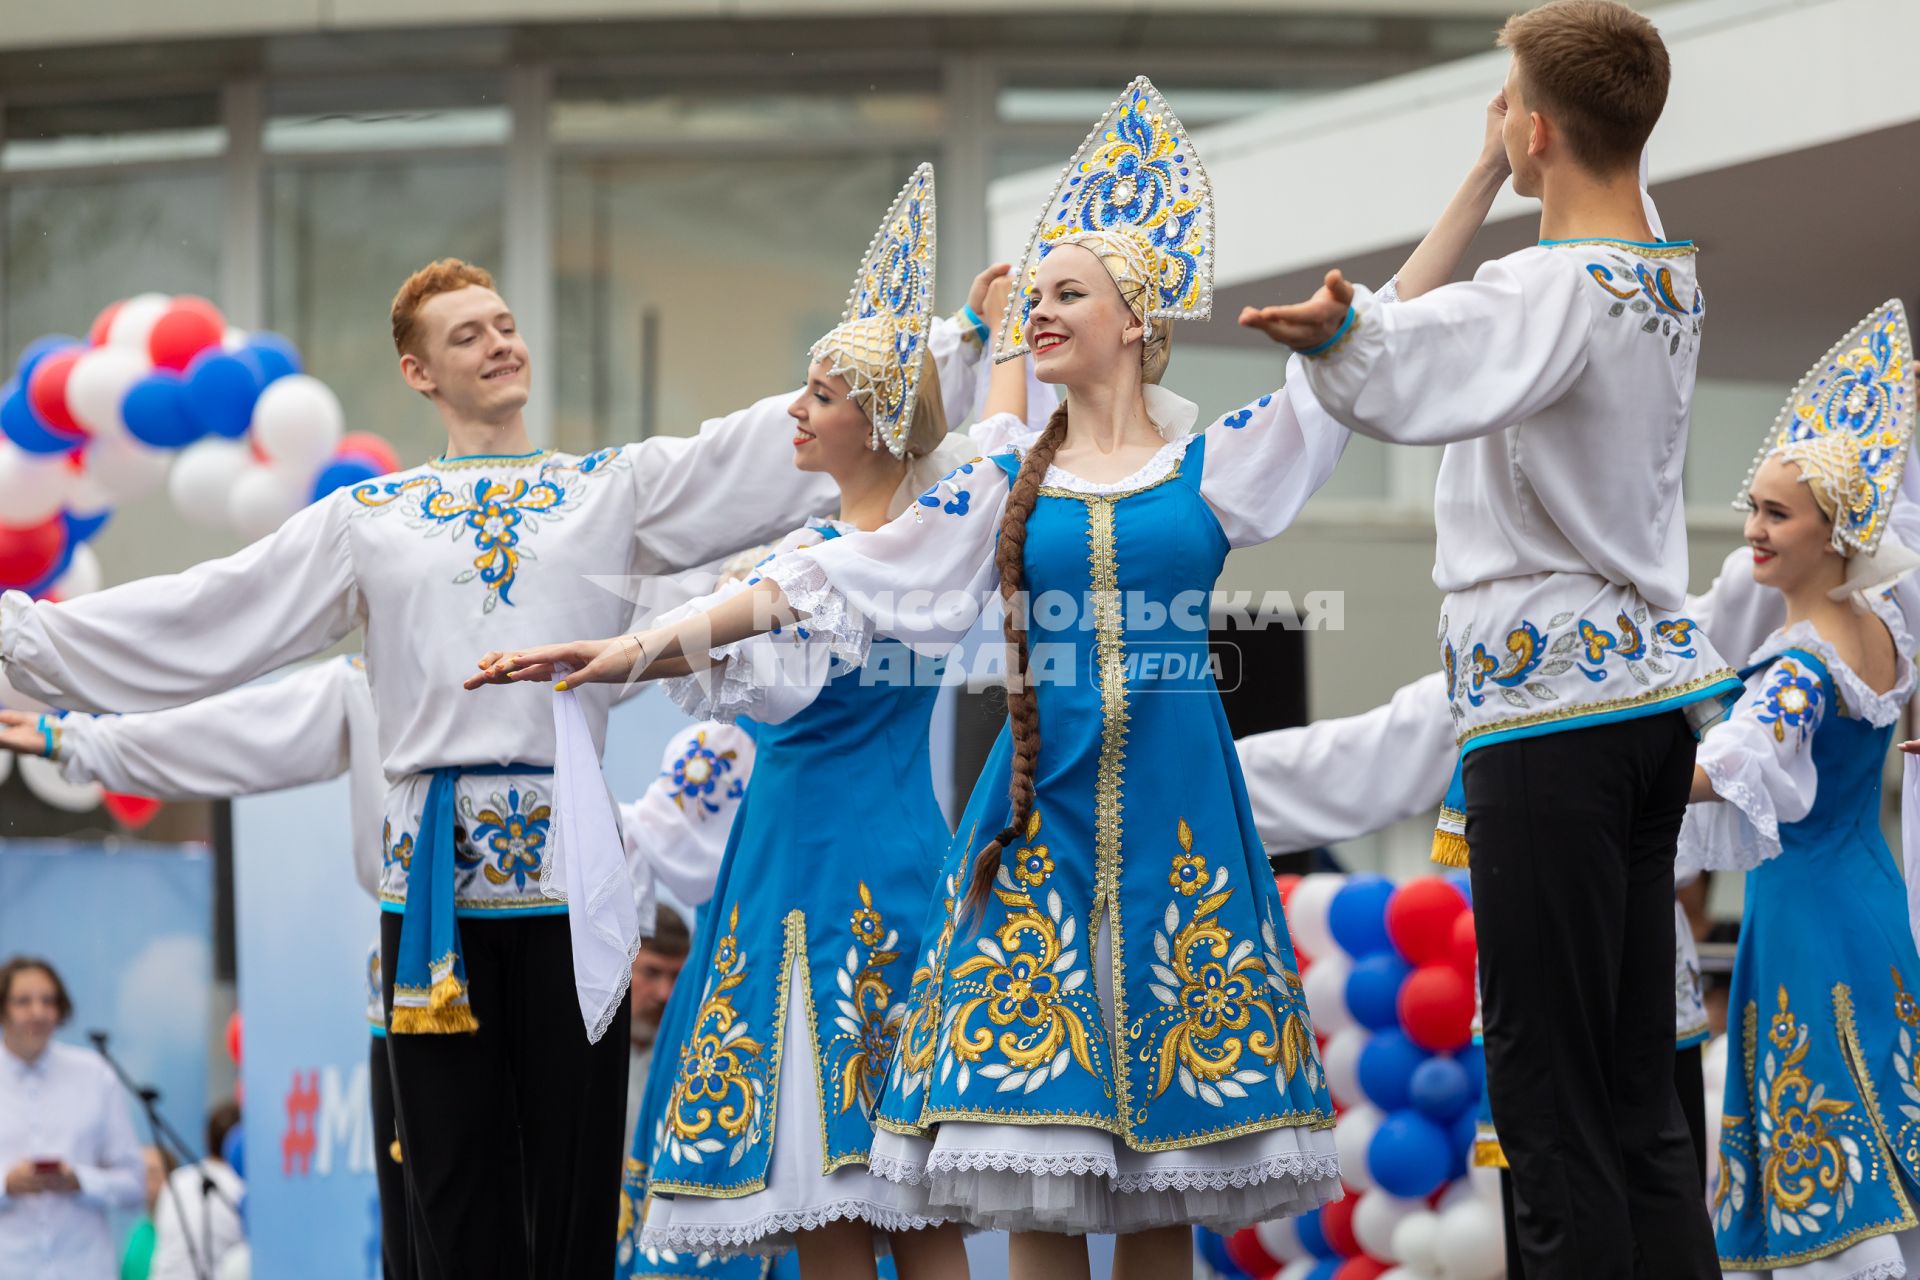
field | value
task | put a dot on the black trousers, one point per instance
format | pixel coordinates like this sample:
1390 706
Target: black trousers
511 1135
1691 1087
396 1259
1573 837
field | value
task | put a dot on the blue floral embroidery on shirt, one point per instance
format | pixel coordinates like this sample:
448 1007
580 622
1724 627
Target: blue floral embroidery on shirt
508 837
1241 417
1791 701
947 495
700 773
1583 645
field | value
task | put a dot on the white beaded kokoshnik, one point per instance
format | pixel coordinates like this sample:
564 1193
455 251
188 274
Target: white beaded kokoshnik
879 344
1137 194
1849 425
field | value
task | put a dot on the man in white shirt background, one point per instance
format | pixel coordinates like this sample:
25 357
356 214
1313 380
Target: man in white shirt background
196 1226
67 1142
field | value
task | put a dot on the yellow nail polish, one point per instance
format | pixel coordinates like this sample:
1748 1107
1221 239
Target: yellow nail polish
561 687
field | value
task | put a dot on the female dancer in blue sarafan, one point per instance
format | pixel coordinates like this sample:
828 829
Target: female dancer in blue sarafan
1819 1145
760 1142
1106 1030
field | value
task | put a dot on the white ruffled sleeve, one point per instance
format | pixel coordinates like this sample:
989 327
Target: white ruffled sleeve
1464 360
1337 780
1760 763
307 727
676 834
160 642
770 678
923 578
959 360
1265 460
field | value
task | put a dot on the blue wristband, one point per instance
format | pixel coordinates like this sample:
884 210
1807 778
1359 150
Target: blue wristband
980 329
46 732
1338 334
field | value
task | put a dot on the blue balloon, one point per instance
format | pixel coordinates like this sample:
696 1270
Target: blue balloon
39 349
156 413
1440 1089
338 475
221 389
1409 1155
1462 880
1326 1270
1462 1134
233 1149
1358 915
270 355
23 426
82 528
1373 990
1387 1067
1213 1247
1312 1238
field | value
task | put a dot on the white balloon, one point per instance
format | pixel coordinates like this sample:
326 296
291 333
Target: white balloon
1307 909
261 499
1416 1241
1486 1182
298 422
133 322
86 496
45 779
1299 1270
233 339
1470 1243
98 384
1341 1057
33 486
1325 988
83 575
1375 1218
1352 1135
202 480
1281 1239
1456 1191
126 468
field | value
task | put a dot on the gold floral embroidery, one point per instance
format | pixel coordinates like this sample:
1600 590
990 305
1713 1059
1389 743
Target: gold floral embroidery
1210 988
868 1017
1810 1147
1025 978
1031 864
723 1070
1907 1011
919 1040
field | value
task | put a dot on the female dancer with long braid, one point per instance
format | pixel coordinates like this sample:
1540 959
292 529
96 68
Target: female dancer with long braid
1106 1030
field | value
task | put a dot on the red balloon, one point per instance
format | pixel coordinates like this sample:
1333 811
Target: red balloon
374 449
1336 1223
1362 1268
234 1036
1465 951
183 331
97 335
1420 918
29 554
47 392
1244 1247
131 811
1436 1008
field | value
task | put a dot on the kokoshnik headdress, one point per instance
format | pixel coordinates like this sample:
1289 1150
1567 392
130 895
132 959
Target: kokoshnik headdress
1136 194
881 340
1849 425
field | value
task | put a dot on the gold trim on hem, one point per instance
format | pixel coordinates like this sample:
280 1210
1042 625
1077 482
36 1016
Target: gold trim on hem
1846 1034
1582 711
1314 1120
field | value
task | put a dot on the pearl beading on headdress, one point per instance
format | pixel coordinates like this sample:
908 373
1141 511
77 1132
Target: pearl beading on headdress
1849 425
882 335
1137 187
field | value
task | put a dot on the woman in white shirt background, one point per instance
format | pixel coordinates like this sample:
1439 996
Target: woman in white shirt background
67 1143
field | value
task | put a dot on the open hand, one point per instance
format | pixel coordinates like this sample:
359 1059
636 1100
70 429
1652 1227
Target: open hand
583 661
20 733
1493 146
1305 325
1912 748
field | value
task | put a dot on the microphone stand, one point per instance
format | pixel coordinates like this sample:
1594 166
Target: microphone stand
168 1139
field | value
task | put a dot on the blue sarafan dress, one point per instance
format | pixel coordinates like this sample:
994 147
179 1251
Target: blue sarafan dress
1819 1144
802 965
1121 1042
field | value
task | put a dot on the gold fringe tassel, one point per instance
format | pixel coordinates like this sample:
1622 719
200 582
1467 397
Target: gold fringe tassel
447 1020
1488 1155
1449 849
